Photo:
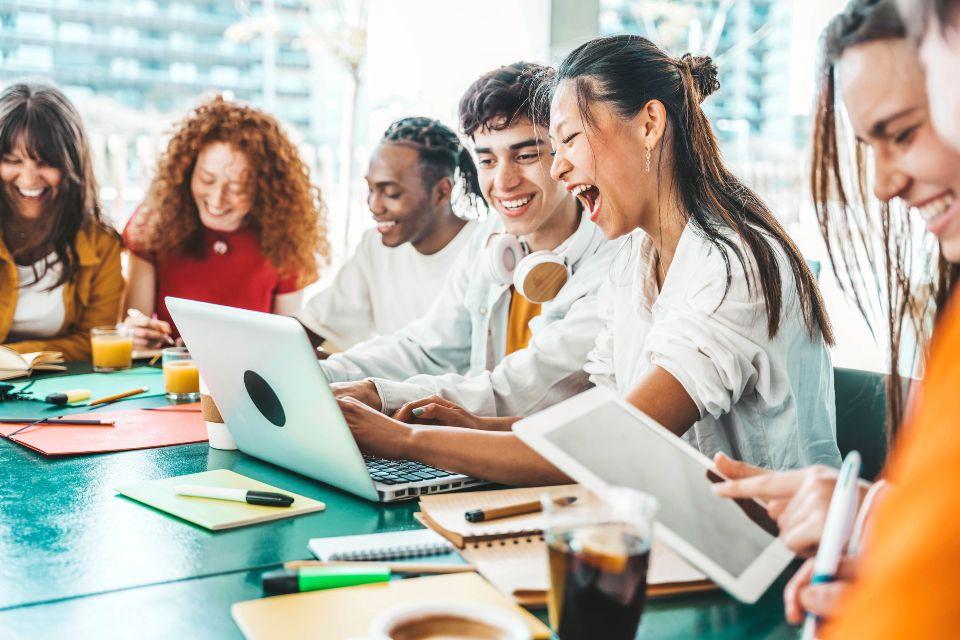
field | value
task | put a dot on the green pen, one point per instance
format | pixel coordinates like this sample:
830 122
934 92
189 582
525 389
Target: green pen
316 578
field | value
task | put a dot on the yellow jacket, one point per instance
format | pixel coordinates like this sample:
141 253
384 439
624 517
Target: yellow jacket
92 299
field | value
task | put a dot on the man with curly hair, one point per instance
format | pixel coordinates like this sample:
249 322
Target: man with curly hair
231 218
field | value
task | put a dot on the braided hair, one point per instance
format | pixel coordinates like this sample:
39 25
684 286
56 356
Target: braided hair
441 155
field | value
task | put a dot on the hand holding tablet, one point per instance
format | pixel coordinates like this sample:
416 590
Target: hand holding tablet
601 441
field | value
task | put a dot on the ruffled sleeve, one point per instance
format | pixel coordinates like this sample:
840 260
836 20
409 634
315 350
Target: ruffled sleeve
714 341
135 235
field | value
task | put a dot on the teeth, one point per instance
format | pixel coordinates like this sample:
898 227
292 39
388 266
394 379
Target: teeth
386 224
515 204
935 208
580 188
30 193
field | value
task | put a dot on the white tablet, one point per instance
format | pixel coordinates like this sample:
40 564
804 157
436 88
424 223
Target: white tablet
601 441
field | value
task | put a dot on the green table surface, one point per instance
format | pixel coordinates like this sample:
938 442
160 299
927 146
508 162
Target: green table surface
77 560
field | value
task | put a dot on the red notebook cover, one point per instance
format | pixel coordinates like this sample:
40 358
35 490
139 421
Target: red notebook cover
134 429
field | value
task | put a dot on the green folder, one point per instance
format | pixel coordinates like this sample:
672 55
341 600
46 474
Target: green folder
212 513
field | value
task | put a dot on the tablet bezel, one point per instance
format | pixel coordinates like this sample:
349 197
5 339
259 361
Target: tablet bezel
754 580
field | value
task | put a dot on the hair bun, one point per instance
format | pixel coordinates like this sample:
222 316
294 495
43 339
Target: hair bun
704 73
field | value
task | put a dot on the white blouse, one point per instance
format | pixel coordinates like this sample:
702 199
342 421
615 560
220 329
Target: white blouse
767 401
40 313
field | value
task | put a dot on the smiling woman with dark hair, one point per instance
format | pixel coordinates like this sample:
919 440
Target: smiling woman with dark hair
59 264
714 323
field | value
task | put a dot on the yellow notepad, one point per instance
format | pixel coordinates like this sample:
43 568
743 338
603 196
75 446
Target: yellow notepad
346 613
209 512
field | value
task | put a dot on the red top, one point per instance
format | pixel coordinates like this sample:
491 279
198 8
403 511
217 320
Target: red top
232 271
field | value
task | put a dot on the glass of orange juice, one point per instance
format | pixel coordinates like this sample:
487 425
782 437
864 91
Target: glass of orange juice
111 347
181 375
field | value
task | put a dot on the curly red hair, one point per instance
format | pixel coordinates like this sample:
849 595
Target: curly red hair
287 209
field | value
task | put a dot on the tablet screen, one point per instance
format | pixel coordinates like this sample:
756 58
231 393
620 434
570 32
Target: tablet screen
612 444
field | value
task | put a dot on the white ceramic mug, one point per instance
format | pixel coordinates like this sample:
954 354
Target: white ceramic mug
509 625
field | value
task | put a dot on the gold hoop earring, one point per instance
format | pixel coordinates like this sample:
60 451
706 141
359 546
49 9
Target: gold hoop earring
648 158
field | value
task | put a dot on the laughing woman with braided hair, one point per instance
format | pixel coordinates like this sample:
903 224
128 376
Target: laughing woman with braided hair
417 174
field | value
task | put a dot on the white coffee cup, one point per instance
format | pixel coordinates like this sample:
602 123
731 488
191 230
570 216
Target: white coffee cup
448 619
217 432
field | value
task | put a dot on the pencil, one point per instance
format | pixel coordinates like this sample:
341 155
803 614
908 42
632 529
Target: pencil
88 422
522 508
118 396
136 313
394 567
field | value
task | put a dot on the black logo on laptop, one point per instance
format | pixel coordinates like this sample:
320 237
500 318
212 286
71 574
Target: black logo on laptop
264 398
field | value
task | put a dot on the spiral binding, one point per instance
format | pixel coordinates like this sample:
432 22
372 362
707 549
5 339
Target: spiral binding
393 553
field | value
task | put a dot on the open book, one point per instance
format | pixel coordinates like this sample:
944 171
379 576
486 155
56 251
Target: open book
511 552
15 365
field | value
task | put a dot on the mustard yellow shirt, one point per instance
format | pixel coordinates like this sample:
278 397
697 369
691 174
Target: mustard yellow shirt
522 311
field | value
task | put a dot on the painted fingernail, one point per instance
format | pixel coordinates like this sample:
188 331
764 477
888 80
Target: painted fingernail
418 411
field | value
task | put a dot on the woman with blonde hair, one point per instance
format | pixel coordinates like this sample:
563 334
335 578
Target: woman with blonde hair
230 218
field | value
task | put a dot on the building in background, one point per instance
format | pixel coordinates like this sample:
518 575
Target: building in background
135 67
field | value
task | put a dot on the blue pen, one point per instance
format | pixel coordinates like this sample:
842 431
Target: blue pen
836 532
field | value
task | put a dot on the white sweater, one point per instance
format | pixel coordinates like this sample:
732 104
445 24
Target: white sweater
380 290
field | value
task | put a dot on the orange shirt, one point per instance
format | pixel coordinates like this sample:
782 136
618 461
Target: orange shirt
522 311
908 585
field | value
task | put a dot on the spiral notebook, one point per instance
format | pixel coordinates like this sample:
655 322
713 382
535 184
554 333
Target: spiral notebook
398 545
512 554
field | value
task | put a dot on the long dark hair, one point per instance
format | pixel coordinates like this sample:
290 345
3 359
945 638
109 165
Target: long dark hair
441 155
626 72
50 128
851 220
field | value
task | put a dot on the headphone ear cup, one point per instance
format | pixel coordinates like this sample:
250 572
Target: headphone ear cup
540 276
504 252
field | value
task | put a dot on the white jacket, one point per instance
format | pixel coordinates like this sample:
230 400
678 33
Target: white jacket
768 401
457 349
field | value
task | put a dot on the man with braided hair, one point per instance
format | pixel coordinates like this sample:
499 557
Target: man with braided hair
417 173
488 344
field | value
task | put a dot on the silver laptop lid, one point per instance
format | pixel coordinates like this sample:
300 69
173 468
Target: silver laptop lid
271 392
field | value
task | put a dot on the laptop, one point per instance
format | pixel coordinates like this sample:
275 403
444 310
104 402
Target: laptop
269 387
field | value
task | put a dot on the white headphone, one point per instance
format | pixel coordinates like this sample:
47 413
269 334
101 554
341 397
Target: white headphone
537 276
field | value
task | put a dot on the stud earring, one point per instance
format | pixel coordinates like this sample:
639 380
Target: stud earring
648 158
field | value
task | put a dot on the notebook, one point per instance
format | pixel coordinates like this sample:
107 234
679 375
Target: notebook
512 554
398 545
15 365
214 514
133 429
341 614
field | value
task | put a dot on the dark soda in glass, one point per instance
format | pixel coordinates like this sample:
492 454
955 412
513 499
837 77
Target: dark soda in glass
598 582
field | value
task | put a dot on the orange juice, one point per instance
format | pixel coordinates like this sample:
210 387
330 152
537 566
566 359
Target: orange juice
182 377
111 352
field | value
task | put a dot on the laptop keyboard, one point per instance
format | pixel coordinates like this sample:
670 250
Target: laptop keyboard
402 471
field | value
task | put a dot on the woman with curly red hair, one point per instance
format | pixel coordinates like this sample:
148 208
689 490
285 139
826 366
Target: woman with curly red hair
230 218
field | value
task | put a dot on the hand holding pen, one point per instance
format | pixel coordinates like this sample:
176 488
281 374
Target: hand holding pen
829 566
148 333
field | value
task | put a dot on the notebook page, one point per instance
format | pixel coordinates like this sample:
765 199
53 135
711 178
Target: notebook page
397 545
513 565
446 510
521 565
